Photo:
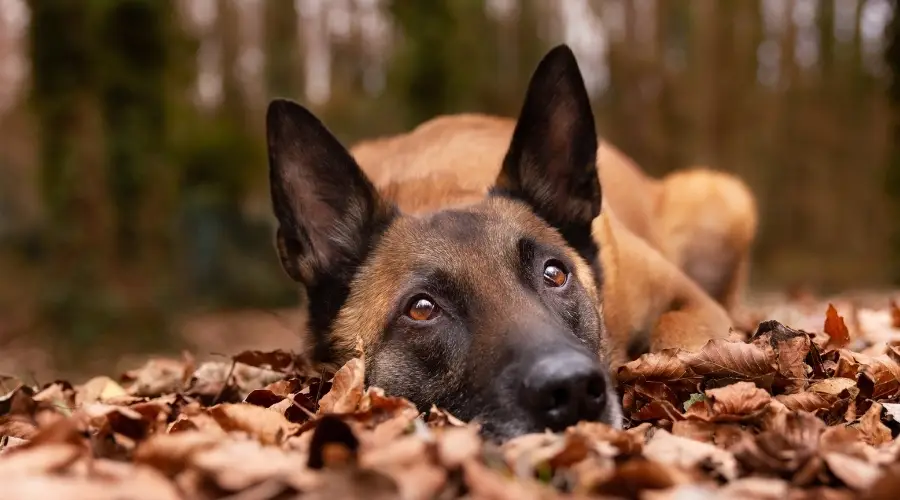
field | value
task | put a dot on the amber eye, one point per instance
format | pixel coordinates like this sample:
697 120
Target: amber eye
555 274
422 308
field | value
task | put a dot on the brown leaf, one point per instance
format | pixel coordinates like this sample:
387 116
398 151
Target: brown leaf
754 488
836 329
45 459
263 397
686 453
821 395
171 453
720 359
346 389
457 445
880 378
733 403
791 349
267 426
442 418
486 483
787 447
853 472
895 314
277 360
18 427
635 478
873 431
662 366
160 376
238 465
285 387
98 389
333 444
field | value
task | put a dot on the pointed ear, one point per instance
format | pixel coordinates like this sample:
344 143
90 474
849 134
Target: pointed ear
327 209
551 161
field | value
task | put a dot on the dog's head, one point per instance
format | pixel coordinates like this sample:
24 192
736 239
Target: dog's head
491 310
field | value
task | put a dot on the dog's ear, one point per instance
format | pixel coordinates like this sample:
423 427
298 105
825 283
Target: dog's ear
551 161
327 209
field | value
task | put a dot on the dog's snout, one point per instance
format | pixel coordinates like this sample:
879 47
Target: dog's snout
563 388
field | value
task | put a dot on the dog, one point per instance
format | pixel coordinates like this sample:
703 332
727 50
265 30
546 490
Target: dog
505 294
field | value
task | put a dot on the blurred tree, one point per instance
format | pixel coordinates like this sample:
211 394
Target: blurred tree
282 48
133 45
63 96
892 59
443 64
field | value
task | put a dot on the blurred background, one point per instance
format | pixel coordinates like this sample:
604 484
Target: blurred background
134 211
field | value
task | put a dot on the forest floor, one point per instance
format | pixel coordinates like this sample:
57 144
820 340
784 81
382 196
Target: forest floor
804 406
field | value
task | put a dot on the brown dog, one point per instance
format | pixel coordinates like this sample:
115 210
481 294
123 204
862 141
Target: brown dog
502 294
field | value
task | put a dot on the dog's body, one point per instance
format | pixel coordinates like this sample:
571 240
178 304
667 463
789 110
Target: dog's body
488 282
701 220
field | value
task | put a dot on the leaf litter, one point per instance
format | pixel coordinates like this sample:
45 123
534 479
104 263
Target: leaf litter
779 413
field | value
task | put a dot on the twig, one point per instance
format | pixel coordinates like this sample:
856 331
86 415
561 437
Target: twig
225 383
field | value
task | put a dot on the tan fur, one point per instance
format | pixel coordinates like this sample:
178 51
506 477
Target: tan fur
649 230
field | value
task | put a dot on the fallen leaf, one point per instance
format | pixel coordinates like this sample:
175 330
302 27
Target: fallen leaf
836 329
873 431
171 453
333 444
853 472
346 389
686 453
635 478
733 361
895 314
160 376
278 360
265 425
442 418
733 403
662 366
880 378
791 348
787 447
821 395
98 389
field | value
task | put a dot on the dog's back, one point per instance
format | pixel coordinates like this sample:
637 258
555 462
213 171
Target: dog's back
701 220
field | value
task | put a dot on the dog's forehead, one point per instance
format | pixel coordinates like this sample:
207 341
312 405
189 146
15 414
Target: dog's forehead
483 232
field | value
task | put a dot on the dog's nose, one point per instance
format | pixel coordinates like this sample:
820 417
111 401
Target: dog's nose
564 388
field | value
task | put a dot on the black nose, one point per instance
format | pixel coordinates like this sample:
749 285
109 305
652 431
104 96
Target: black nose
564 388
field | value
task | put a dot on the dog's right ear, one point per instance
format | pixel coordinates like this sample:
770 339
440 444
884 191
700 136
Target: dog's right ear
327 209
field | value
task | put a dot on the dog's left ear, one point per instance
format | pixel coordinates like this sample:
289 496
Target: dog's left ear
551 161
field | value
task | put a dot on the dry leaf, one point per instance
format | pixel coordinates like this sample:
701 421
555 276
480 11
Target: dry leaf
278 360
855 473
733 403
880 378
686 453
267 426
662 366
839 335
895 314
346 389
873 431
721 359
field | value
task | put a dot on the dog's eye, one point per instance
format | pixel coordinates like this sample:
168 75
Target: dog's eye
555 274
422 308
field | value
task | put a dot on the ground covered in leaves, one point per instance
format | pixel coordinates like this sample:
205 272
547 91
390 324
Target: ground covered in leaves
811 411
